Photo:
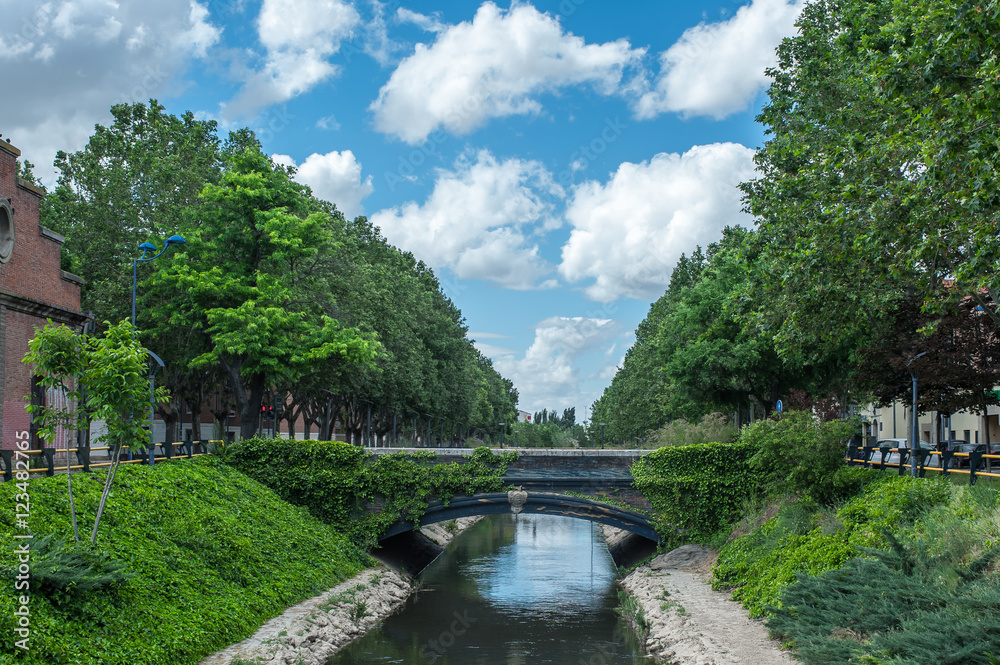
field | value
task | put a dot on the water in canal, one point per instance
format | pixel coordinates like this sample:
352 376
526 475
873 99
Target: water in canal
511 590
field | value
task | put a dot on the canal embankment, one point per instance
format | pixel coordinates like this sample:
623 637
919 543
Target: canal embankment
686 622
312 631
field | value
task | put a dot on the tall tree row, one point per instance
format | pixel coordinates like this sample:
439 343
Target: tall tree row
877 239
275 300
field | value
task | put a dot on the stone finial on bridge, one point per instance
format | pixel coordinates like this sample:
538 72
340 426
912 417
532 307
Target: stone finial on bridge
517 497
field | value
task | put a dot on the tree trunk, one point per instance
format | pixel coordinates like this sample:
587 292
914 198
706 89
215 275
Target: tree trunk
247 401
195 419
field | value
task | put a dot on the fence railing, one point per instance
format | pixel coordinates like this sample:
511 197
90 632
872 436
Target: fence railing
44 461
943 461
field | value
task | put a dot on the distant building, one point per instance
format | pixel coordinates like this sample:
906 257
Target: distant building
894 422
32 289
523 416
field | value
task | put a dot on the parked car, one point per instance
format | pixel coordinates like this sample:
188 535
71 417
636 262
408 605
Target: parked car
892 458
963 447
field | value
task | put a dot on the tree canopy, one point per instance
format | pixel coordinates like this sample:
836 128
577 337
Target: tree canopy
876 238
276 298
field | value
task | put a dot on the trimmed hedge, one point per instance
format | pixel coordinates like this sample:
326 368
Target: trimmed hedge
212 555
696 490
358 492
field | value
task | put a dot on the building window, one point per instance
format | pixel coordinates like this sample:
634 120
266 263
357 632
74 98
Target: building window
6 230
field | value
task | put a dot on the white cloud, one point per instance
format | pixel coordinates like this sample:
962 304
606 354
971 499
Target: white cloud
95 18
375 41
492 67
66 64
299 36
334 177
422 21
629 232
717 69
328 122
477 220
548 376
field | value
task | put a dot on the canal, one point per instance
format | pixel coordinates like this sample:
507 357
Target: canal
511 590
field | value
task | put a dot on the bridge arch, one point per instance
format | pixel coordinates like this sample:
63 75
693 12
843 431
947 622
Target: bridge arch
543 503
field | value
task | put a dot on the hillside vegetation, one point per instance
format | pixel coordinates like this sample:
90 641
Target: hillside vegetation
196 556
847 565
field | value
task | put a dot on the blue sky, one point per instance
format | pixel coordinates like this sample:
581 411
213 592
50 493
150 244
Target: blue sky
550 160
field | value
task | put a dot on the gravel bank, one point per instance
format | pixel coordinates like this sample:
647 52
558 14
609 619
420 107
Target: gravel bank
689 623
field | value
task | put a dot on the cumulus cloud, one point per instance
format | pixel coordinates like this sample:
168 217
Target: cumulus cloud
548 375
478 219
334 177
629 232
492 67
716 69
299 36
66 63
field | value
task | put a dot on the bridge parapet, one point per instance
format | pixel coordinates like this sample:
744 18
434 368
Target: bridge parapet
532 459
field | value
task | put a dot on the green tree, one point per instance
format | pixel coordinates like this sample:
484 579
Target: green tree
110 371
56 353
879 179
706 353
135 180
798 453
252 279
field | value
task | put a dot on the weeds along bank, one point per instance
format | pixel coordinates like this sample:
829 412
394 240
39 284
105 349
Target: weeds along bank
204 555
847 565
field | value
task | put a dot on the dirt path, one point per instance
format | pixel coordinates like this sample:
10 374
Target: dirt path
689 623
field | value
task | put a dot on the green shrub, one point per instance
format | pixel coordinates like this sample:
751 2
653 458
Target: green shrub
64 572
209 555
696 490
798 453
896 608
712 428
807 538
360 493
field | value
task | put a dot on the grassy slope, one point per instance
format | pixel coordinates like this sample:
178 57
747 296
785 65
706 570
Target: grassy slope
214 554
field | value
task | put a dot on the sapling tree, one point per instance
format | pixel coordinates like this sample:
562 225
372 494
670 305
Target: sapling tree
57 353
110 372
118 393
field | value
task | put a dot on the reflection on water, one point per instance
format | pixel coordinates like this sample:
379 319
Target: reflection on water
531 589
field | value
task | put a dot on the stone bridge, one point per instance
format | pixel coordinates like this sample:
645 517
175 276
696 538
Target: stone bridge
554 479
602 474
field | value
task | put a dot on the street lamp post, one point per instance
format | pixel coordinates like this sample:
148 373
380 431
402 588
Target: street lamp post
913 413
150 247
154 366
602 435
501 435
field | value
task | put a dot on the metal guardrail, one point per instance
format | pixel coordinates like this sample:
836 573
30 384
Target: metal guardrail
85 464
858 455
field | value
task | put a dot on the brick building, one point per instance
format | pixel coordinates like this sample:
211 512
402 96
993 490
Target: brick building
33 288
